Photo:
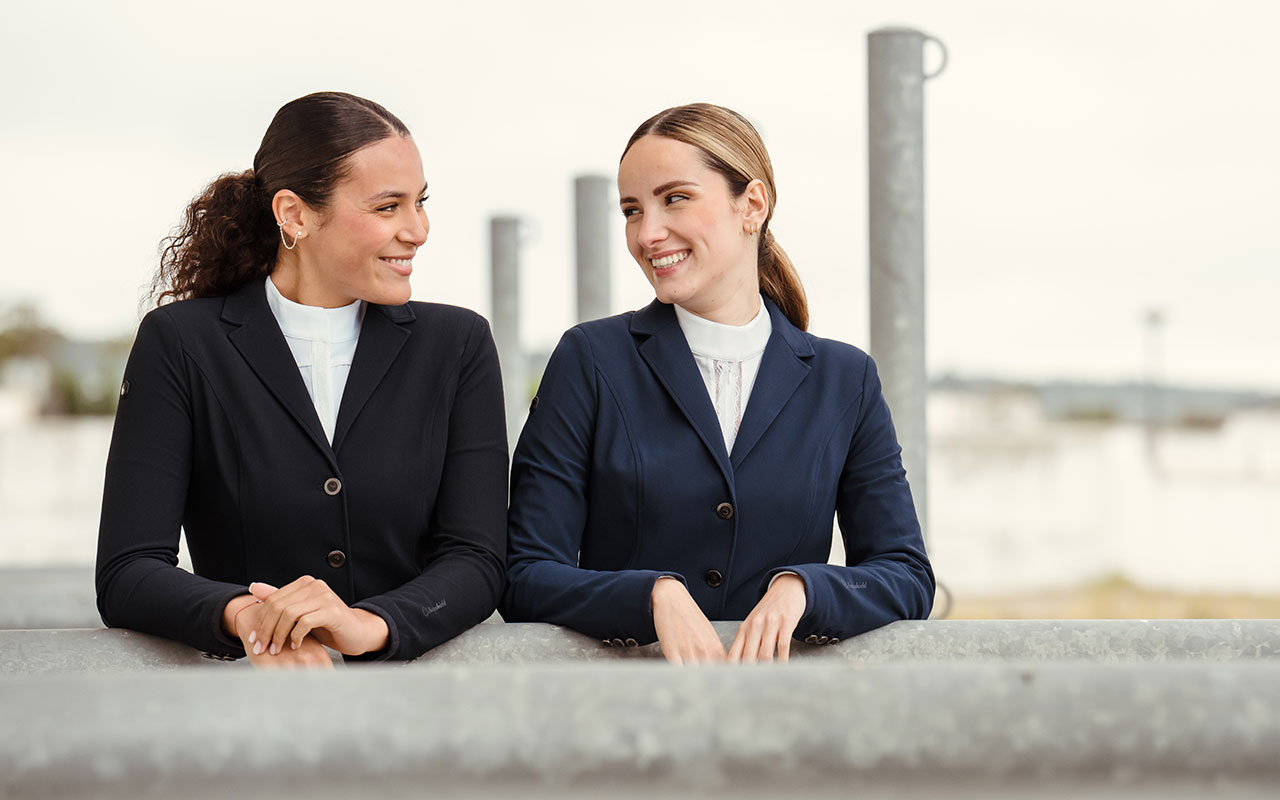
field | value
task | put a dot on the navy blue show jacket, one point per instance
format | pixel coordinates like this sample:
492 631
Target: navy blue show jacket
215 433
621 476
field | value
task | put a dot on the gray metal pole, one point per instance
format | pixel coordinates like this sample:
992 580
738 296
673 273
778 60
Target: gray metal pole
504 244
895 149
593 202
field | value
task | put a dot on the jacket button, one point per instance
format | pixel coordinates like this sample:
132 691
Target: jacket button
823 640
632 642
724 511
713 578
617 642
811 639
124 388
332 486
336 558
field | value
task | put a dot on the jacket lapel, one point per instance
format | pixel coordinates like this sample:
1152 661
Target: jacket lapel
782 368
258 337
666 351
382 335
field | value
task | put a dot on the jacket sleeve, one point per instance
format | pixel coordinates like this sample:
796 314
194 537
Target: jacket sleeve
139 584
888 576
550 480
465 574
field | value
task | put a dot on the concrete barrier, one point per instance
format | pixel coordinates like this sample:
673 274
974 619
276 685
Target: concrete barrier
1154 641
47 597
643 729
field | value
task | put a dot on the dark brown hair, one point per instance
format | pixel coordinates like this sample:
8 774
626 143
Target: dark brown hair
228 236
731 146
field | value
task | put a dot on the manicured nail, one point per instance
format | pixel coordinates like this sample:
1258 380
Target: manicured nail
275 649
294 645
253 637
257 649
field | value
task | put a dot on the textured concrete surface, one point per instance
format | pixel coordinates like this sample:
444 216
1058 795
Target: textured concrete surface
47 597
646 729
933 640
101 650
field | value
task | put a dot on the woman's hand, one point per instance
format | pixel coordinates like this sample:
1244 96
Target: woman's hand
308 607
684 632
770 624
241 617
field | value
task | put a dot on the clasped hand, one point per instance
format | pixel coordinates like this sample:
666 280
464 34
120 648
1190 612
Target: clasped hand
687 636
291 625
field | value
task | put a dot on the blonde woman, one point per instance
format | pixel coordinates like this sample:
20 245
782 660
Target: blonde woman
683 463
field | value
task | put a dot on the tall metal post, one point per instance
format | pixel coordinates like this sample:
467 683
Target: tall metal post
504 251
895 171
592 206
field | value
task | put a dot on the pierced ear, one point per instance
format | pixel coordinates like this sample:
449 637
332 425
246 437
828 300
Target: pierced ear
287 208
755 204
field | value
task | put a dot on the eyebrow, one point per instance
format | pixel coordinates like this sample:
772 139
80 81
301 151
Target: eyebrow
666 187
392 194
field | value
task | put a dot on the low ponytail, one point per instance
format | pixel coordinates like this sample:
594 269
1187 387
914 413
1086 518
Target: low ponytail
227 239
780 282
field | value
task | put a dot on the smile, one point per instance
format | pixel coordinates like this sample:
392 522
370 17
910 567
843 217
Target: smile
669 261
401 266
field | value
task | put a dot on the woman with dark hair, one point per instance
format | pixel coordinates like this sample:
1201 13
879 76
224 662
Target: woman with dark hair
683 463
335 454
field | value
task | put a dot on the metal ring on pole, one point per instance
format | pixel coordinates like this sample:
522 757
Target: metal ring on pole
943 49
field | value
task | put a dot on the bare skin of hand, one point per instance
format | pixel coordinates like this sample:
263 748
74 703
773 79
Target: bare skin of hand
308 607
683 630
310 655
769 626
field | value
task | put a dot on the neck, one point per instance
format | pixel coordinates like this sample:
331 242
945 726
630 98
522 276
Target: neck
291 281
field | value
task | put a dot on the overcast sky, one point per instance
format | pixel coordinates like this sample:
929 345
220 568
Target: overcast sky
1086 161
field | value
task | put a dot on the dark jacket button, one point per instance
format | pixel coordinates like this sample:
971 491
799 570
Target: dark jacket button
713 578
336 558
616 642
724 511
811 639
632 642
332 486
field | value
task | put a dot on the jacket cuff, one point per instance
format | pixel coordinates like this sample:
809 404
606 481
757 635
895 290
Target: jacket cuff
229 647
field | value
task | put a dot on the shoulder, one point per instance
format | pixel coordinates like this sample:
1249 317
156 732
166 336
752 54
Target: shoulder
184 320
438 318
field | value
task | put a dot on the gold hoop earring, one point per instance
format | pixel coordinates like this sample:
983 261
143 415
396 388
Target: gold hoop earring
751 228
283 241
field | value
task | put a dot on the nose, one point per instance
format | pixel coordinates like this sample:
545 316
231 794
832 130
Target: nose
650 230
415 232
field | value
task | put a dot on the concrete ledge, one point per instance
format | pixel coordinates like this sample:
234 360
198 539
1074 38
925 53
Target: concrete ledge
47 597
102 650
644 729
931 640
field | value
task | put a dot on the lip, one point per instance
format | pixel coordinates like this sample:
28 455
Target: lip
402 265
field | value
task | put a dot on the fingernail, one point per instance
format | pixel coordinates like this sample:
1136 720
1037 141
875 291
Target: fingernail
294 645
253 637
275 649
257 649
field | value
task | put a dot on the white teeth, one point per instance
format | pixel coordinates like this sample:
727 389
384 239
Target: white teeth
668 261
399 262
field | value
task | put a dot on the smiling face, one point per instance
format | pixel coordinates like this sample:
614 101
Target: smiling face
687 231
361 245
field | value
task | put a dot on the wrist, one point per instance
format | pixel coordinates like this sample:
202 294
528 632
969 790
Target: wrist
231 613
374 632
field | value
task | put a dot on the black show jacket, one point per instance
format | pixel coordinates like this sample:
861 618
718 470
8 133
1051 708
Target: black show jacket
404 515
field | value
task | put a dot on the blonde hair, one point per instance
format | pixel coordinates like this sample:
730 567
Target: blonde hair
731 146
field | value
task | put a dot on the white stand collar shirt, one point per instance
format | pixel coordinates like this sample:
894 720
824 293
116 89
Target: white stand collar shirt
728 356
323 342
